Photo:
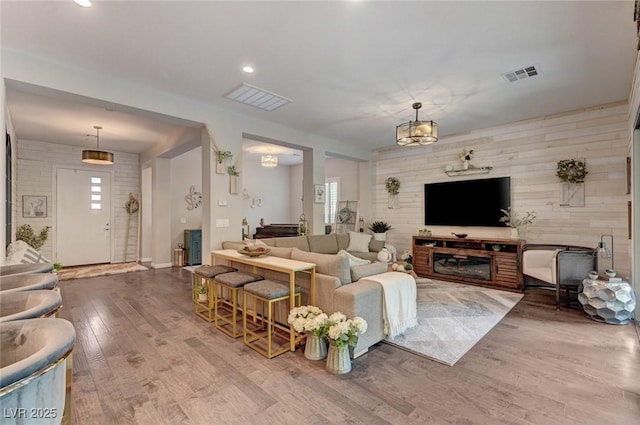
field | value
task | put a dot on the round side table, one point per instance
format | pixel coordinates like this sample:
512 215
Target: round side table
607 300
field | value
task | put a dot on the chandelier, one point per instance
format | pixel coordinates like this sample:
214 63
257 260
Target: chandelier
97 156
269 161
417 133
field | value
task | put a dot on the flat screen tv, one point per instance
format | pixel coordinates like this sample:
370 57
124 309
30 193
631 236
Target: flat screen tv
467 202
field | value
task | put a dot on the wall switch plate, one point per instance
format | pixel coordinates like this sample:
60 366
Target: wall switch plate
222 222
222 202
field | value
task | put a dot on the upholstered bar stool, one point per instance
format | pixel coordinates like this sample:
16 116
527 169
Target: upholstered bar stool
22 269
226 315
28 282
204 276
259 301
28 305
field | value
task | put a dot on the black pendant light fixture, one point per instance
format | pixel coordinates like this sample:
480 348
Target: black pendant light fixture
97 156
417 133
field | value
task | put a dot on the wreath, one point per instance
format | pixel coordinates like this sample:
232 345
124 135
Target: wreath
393 185
572 170
345 215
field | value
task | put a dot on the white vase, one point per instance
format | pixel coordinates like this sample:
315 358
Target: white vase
202 298
380 236
393 201
465 165
220 168
233 185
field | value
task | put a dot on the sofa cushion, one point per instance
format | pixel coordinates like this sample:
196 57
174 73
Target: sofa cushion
280 252
329 264
323 244
376 246
365 270
359 242
343 241
20 252
299 242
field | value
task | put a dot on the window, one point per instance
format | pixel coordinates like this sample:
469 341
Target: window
96 196
332 192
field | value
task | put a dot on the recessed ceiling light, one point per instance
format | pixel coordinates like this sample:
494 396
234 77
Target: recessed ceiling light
248 69
83 3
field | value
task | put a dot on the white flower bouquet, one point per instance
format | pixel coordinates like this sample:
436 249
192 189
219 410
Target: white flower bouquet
344 332
309 319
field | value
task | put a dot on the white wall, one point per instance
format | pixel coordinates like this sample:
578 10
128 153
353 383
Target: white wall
528 151
272 187
146 203
186 171
35 176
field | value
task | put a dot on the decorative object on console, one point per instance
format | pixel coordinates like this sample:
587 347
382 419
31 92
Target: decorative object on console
460 235
221 158
379 229
302 225
393 188
465 157
416 133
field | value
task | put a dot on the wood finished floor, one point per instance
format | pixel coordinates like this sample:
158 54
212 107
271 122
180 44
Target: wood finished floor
143 357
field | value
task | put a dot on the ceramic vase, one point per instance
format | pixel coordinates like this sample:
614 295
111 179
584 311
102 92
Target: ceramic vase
220 168
338 361
379 236
393 201
465 165
315 348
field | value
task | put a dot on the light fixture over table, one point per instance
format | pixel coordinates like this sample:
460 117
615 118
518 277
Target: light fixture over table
97 156
417 133
269 161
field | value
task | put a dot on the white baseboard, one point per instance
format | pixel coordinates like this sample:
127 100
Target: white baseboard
160 266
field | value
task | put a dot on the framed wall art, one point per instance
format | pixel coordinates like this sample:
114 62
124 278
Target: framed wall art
318 193
34 206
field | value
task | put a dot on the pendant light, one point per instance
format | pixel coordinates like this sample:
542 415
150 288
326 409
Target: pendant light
97 156
417 133
269 161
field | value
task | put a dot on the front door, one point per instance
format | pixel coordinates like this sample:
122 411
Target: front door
83 217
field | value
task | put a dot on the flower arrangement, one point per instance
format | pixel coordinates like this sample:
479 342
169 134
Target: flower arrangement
511 219
466 155
571 170
309 318
344 332
393 185
222 155
232 171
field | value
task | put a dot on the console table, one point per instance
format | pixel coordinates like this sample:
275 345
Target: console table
283 265
480 261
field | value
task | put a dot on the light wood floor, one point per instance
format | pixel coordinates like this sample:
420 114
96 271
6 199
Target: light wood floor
143 357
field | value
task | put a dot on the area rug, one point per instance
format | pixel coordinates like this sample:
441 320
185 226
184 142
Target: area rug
452 318
98 270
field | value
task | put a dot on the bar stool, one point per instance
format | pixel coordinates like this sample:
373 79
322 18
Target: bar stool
226 309
204 276
21 305
22 269
28 282
266 292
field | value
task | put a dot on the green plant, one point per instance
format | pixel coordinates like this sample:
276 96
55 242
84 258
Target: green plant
222 155
232 171
201 289
379 227
511 219
572 170
344 332
25 233
57 267
393 185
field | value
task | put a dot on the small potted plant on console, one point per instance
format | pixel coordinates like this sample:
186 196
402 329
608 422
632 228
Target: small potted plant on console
379 229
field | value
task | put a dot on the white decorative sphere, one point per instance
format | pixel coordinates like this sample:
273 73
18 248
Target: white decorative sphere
384 256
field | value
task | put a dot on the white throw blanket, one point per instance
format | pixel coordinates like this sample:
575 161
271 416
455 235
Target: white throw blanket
399 304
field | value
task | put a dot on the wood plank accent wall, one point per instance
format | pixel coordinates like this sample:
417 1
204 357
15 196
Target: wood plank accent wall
528 152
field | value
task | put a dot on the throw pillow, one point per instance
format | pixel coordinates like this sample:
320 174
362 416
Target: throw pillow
353 260
20 252
358 242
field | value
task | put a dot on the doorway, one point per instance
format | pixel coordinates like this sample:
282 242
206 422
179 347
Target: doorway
83 217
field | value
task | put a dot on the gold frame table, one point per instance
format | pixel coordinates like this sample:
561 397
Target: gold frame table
283 265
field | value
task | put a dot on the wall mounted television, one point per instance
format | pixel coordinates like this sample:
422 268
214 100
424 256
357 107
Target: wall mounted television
467 202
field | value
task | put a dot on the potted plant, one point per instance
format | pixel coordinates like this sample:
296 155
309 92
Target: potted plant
25 233
221 157
379 229
342 333
511 219
312 321
201 290
57 267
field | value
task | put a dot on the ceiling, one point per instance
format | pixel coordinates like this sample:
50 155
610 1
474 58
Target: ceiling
352 69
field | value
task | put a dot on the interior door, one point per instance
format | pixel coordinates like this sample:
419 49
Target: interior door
83 217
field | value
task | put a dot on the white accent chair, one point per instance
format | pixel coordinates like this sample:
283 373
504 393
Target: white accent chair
562 267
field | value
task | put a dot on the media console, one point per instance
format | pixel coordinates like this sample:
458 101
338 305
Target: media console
486 262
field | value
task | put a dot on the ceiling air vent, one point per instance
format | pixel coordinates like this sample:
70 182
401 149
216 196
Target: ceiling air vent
254 96
521 74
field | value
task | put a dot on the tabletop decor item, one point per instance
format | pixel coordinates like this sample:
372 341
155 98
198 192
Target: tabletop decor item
254 252
342 333
465 157
511 219
312 321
